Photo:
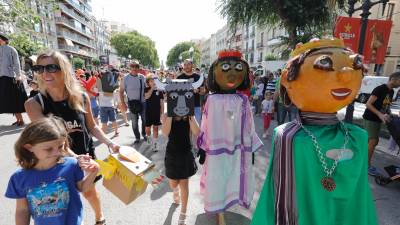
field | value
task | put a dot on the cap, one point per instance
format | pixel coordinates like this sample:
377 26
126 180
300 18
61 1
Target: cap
3 37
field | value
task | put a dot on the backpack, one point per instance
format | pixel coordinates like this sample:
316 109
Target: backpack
109 81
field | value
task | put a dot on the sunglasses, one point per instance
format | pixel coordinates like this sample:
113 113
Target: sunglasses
50 68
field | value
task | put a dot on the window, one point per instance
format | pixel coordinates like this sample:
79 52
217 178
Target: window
251 57
252 44
260 59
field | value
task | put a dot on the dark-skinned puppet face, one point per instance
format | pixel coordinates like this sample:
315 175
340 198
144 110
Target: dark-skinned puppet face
229 73
180 96
323 76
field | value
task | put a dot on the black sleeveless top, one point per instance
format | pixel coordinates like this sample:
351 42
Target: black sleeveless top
179 137
80 140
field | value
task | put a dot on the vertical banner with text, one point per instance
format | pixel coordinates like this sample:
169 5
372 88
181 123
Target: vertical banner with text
348 29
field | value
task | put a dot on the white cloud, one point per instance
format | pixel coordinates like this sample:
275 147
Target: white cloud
166 22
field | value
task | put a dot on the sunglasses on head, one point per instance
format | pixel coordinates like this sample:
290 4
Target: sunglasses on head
50 68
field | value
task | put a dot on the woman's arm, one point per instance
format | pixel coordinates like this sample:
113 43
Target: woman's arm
22 214
33 109
194 126
166 127
95 130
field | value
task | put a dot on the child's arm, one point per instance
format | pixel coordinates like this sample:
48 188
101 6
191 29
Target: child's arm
91 168
194 127
22 214
166 127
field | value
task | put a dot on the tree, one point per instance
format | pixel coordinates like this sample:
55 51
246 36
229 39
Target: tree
140 47
96 62
78 63
24 46
182 49
305 18
21 13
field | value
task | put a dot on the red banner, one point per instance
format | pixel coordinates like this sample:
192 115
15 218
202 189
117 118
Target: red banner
376 41
348 29
376 37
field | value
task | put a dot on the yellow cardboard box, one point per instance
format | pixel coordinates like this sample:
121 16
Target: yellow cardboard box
123 177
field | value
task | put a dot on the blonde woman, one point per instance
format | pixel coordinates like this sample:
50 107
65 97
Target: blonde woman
60 94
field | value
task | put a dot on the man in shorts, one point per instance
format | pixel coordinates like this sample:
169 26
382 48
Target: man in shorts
378 111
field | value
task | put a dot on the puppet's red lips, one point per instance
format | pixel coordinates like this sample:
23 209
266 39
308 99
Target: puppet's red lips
340 93
230 84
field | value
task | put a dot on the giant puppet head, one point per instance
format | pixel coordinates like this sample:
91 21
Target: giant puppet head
229 73
323 76
180 97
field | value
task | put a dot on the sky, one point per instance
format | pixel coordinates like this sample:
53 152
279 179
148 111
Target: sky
166 22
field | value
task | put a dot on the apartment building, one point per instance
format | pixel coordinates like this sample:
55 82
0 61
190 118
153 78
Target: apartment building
75 29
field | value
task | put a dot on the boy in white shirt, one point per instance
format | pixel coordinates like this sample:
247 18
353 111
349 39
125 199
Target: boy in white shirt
107 111
267 105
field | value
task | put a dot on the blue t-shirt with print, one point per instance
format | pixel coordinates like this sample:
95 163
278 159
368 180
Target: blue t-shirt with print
52 194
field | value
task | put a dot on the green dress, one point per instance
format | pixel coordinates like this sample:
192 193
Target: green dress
349 204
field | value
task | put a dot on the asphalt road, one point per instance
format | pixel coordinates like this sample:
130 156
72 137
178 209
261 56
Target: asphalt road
155 207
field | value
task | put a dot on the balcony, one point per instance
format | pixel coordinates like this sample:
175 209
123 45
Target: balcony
253 34
70 24
259 60
75 50
81 9
75 38
260 45
73 14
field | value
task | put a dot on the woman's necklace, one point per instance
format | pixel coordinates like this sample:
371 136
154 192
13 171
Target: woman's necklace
328 183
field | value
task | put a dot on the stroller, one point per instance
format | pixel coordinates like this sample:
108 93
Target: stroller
393 171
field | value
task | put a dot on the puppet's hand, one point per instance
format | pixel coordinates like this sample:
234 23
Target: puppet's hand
202 154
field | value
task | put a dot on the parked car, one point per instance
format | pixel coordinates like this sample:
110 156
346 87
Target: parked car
368 84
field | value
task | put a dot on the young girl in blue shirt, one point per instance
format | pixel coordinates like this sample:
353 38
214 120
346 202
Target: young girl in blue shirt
47 186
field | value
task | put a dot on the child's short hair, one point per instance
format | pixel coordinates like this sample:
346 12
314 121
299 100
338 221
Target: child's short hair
42 130
268 93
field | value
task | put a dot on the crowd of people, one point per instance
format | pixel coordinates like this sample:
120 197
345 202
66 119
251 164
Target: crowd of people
68 108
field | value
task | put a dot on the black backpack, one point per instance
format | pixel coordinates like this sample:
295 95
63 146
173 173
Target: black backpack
109 81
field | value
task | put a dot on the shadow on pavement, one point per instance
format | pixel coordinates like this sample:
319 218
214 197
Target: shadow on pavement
161 190
172 208
230 218
9 130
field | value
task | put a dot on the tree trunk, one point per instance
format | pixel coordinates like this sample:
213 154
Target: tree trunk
292 36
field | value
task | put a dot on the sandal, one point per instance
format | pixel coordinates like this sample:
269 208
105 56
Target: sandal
182 219
101 222
176 196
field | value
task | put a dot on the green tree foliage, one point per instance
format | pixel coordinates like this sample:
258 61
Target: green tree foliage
182 49
21 13
140 47
305 18
96 62
78 63
24 45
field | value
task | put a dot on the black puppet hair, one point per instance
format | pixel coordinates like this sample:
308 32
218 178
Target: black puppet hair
212 84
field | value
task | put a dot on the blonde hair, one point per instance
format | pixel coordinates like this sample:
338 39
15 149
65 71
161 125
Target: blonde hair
39 131
72 86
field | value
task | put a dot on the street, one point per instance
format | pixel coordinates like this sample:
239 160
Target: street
155 207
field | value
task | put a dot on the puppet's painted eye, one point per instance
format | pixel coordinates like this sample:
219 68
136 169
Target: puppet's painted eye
357 61
188 95
323 63
173 95
239 67
226 66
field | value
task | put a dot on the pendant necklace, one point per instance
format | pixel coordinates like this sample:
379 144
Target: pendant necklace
327 182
